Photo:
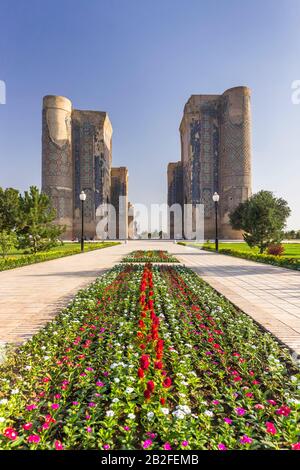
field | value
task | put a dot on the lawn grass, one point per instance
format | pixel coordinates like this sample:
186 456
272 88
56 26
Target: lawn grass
291 250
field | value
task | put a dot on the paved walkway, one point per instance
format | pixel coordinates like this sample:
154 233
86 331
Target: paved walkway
30 296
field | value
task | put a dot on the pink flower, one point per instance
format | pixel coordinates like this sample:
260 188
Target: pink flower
34 438
147 443
45 426
27 426
167 446
11 434
270 428
246 439
57 396
75 403
296 446
283 411
31 407
99 384
58 445
126 428
89 429
185 443
222 446
228 421
272 402
240 411
259 406
106 446
55 406
92 404
215 402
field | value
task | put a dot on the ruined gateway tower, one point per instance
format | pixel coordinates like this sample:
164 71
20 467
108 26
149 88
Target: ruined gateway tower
215 136
76 156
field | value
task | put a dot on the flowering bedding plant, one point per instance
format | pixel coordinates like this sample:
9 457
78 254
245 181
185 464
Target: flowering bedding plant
150 357
149 256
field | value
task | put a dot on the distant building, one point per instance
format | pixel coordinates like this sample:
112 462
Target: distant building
175 193
76 156
215 136
119 187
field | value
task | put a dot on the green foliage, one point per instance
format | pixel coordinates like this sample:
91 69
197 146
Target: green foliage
36 230
9 209
262 218
8 240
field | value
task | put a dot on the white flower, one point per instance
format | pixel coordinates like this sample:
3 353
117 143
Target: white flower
117 380
129 390
14 391
293 378
179 414
165 411
150 414
131 416
110 413
2 420
3 401
115 400
208 413
46 358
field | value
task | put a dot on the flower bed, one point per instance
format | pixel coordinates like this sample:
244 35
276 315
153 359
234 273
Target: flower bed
150 256
24 260
153 358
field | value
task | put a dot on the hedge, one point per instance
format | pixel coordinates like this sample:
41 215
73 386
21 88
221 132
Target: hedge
24 260
291 263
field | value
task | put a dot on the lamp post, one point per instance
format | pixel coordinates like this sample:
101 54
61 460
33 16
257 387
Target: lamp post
82 197
216 198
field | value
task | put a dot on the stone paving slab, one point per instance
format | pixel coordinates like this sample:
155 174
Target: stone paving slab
30 296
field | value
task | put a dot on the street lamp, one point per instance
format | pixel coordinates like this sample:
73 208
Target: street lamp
82 197
216 198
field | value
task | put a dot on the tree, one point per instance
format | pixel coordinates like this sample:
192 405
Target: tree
262 218
37 232
8 240
9 208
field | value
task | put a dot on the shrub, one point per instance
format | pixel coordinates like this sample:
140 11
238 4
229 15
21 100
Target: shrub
275 249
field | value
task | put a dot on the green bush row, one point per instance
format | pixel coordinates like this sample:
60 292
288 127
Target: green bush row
23 260
292 263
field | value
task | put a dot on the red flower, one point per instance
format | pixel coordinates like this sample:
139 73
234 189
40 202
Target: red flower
167 382
141 373
270 428
147 394
158 365
296 446
162 401
11 434
145 361
141 324
150 386
58 445
283 410
27 426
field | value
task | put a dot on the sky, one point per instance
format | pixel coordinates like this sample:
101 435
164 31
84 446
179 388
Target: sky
140 60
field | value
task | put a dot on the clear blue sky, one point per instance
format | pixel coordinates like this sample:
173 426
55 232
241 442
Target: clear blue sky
140 60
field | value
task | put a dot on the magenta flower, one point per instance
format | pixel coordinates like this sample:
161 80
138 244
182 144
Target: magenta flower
55 406
246 439
106 446
126 428
185 443
167 446
222 446
89 429
99 384
215 402
228 421
34 438
31 407
75 403
240 411
92 404
147 443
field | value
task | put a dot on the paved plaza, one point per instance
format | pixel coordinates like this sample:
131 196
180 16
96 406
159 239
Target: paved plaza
30 296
